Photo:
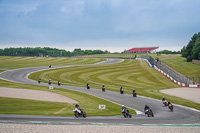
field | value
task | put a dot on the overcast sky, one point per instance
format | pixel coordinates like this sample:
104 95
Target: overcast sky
113 25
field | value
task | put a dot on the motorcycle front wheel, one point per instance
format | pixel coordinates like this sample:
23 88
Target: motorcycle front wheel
76 114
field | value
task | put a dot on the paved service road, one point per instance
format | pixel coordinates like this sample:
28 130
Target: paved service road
162 114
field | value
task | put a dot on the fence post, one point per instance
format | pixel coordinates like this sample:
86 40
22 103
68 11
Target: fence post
199 80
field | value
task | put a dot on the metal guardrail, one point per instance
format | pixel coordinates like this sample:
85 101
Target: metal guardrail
175 75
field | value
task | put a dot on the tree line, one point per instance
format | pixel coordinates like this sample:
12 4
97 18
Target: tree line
168 52
192 50
46 51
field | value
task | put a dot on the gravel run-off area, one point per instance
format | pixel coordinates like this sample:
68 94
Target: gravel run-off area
34 95
192 94
34 128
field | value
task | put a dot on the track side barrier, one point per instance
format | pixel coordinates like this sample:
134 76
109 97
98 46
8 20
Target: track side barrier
168 76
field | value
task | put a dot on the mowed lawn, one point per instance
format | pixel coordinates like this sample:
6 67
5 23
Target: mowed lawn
22 62
180 64
130 74
126 56
34 107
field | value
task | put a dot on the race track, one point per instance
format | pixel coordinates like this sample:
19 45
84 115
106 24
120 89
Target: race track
163 115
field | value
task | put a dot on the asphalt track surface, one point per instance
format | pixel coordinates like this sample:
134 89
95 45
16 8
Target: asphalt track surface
162 115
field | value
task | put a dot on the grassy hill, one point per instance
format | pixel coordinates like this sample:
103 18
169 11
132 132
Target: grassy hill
130 74
180 64
34 107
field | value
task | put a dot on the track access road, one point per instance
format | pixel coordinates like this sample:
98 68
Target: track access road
162 115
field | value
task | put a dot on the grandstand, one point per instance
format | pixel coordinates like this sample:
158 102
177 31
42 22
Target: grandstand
141 50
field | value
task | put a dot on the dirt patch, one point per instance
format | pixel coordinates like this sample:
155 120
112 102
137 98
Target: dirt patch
60 110
34 95
191 94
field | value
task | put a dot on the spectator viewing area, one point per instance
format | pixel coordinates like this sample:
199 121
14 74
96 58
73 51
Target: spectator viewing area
141 50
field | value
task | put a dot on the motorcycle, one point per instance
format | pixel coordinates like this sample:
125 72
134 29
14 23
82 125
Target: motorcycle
121 90
126 113
88 86
49 82
170 106
165 102
79 113
39 80
134 94
149 113
103 88
59 83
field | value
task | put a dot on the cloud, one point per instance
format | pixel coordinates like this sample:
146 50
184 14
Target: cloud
18 8
98 23
73 7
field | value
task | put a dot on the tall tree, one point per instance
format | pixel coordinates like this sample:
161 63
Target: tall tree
191 51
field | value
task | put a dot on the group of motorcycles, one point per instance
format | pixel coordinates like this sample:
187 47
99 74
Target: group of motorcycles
122 92
78 112
103 87
169 104
59 83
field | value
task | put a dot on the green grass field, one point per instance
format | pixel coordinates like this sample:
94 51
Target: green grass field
130 74
10 62
34 107
125 56
180 64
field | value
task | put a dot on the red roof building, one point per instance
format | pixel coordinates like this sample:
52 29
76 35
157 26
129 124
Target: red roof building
141 50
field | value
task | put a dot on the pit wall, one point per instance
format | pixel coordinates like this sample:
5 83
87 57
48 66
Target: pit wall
168 76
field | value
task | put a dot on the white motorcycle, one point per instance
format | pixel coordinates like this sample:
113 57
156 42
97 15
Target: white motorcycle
79 112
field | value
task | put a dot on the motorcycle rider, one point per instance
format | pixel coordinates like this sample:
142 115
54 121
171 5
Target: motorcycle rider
49 81
126 112
146 108
88 86
49 66
121 90
78 108
78 112
169 103
163 99
170 106
39 80
59 83
123 107
134 93
103 88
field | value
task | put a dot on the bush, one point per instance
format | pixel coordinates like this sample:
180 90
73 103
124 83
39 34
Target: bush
189 58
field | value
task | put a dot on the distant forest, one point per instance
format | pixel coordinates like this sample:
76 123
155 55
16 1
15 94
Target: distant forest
46 51
192 50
